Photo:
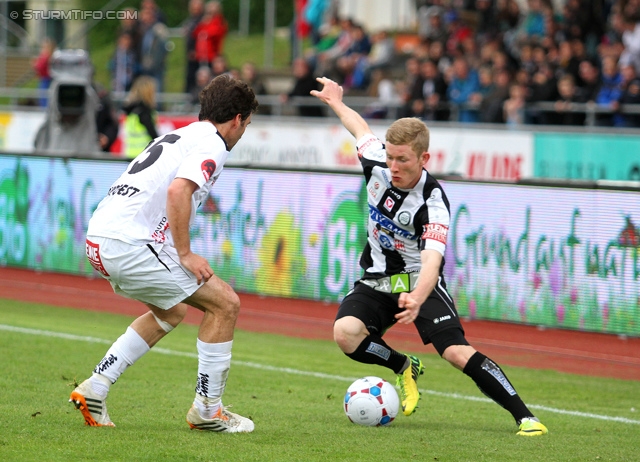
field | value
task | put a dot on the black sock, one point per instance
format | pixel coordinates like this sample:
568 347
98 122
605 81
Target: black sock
374 350
493 382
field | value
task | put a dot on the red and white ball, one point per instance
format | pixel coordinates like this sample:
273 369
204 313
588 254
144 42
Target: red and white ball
371 401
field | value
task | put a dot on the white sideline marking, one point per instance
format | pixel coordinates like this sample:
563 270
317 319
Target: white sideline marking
287 370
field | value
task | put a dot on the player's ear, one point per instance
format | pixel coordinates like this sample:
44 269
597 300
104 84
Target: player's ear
425 158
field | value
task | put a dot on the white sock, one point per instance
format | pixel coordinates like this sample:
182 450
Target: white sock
100 385
123 353
214 361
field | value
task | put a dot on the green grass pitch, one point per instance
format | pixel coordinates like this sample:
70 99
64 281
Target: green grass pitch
293 390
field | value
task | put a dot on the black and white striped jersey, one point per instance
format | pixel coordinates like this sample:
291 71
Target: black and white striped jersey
401 223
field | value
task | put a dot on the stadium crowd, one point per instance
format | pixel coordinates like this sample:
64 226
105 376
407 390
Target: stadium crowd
487 61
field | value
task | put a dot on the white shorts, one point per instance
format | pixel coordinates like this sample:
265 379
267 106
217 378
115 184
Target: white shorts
149 273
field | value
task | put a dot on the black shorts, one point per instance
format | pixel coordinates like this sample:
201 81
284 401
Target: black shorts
437 322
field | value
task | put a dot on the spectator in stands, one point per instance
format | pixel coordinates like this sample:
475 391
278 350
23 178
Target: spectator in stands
491 107
382 51
431 25
589 82
209 34
514 106
386 90
488 27
507 16
486 86
411 88
303 84
151 5
457 33
219 66
609 93
203 77
567 62
351 66
41 67
129 25
326 60
532 27
630 95
543 87
107 124
123 66
434 92
249 74
196 11
463 84
140 116
566 113
153 50
629 29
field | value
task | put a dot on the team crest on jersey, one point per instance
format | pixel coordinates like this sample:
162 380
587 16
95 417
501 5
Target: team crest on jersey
389 203
208 167
404 218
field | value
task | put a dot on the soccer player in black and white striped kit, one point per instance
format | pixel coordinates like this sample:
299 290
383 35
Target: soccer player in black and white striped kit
403 265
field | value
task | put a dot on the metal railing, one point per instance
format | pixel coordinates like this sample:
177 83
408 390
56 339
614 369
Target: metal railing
181 103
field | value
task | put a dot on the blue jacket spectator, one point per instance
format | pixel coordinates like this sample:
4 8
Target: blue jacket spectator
464 83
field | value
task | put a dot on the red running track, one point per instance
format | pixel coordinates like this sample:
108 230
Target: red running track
584 353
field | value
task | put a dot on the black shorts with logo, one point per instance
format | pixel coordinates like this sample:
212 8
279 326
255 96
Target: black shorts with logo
377 310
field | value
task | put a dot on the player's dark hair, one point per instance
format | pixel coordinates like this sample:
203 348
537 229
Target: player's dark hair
224 98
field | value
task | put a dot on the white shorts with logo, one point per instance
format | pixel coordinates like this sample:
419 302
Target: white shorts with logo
149 273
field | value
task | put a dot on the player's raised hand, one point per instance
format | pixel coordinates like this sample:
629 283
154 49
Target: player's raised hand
331 92
411 308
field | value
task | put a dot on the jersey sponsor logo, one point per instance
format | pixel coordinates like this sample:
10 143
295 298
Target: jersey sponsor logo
373 190
399 245
93 254
208 168
387 183
122 190
404 218
379 350
386 223
386 241
435 232
389 203
159 234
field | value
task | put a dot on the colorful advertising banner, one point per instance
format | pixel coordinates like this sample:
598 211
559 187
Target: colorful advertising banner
545 256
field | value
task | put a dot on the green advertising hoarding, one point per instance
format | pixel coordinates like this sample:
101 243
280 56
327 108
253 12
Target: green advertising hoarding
584 156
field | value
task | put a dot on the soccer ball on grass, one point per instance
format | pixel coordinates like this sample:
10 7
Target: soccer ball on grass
371 401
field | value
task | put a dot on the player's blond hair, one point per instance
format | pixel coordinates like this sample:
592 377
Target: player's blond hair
409 131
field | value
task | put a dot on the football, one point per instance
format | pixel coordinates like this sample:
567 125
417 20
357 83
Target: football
371 401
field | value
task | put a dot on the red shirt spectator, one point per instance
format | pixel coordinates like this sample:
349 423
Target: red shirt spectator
210 33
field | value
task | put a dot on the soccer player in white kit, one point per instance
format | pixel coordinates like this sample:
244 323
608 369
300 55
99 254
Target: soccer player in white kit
138 239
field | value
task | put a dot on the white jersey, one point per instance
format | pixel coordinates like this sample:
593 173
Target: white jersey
135 208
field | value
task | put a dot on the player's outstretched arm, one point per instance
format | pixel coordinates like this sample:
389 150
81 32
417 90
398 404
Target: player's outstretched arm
331 94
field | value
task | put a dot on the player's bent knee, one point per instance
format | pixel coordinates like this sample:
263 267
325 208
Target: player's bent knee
348 332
